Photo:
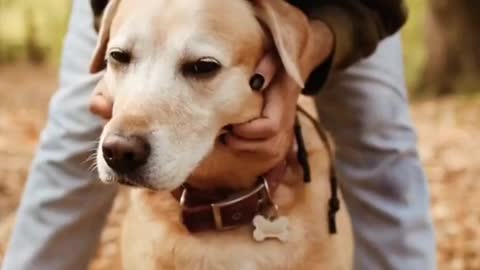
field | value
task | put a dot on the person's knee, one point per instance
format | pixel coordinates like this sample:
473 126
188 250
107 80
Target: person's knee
369 120
385 119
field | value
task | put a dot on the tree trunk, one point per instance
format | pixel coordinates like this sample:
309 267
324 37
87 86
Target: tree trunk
452 43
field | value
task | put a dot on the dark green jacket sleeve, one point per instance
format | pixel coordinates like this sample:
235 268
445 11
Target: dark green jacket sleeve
358 26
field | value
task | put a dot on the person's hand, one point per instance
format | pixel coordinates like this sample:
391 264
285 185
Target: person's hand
266 134
101 106
274 128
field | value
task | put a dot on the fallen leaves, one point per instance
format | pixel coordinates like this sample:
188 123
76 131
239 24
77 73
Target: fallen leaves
450 151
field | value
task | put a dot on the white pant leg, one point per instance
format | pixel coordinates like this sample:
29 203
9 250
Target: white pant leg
64 207
366 110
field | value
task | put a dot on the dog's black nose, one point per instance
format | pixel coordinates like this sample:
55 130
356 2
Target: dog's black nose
125 154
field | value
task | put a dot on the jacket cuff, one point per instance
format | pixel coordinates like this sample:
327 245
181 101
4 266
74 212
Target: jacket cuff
318 77
349 46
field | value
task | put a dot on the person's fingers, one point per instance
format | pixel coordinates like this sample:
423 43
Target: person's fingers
101 106
280 104
258 129
273 114
265 71
276 97
275 102
270 122
259 147
268 148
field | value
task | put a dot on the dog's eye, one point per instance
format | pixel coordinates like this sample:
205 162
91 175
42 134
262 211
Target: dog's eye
203 66
120 56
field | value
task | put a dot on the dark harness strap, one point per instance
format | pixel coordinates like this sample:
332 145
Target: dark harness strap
333 202
302 154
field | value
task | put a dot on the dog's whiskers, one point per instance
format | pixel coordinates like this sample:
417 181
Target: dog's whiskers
91 159
93 167
94 145
93 150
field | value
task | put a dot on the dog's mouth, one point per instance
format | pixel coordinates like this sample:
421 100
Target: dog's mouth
127 182
222 134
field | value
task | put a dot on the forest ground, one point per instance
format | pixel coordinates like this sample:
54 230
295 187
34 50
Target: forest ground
448 141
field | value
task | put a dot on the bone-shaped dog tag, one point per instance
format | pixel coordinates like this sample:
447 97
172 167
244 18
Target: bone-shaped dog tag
265 228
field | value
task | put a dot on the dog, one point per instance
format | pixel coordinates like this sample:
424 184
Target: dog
178 73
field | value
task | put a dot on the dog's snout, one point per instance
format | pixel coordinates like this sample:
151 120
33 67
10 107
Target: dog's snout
125 154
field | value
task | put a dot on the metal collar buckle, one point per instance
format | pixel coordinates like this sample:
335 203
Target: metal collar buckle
217 207
273 211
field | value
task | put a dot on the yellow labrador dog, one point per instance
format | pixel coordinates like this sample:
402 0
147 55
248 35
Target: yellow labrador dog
178 73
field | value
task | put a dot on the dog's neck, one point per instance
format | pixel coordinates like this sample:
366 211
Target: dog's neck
225 169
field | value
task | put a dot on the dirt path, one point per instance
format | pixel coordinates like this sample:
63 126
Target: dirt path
448 134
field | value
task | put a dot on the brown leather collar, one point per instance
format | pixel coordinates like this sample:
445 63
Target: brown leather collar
222 209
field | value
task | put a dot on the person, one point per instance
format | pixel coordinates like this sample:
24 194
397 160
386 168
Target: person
363 104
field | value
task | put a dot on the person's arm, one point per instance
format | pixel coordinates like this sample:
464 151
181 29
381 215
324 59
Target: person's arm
358 27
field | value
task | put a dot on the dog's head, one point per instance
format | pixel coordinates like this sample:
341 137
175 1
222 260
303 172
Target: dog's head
178 73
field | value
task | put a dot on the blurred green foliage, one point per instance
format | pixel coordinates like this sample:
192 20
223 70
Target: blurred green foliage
32 30
413 42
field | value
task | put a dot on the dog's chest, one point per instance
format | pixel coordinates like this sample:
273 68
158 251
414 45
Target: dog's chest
238 253
154 238
159 244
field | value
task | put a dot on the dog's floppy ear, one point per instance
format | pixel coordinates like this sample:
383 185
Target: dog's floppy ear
98 60
297 42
